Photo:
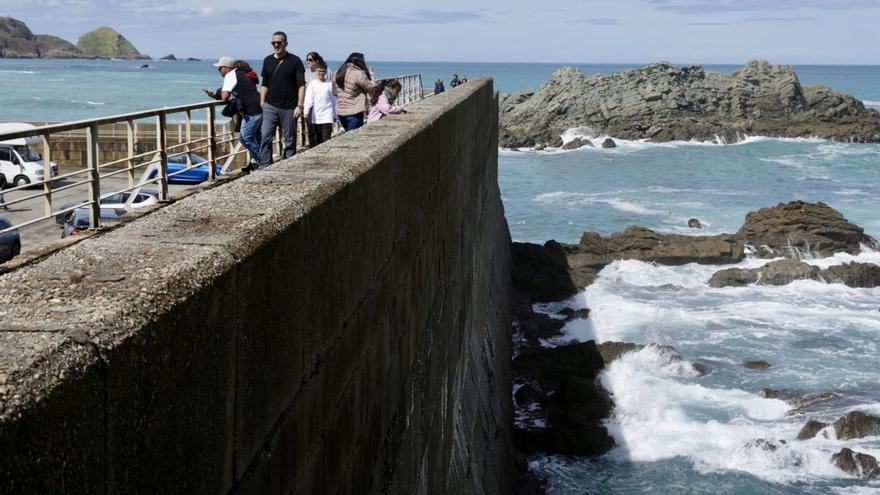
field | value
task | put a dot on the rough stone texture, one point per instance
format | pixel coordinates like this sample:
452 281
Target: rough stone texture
798 228
857 424
856 463
663 102
350 333
783 272
811 429
542 271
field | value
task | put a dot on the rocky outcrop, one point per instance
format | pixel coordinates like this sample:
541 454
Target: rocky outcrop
17 41
694 223
169 57
811 429
575 144
593 252
856 463
857 424
799 228
105 42
783 272
573 402
757 365
663 102
542 271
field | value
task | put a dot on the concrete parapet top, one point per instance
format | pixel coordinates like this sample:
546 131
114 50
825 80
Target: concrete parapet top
65 313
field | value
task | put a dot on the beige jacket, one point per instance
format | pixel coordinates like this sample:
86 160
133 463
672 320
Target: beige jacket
353 99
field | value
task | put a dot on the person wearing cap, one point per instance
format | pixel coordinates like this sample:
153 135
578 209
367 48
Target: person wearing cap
237 84
282 97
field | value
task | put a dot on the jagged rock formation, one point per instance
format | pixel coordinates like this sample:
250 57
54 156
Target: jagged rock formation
856 463
789 229
663 102
105 42
783 272
17 41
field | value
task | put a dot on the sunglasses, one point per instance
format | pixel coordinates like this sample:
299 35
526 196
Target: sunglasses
310 60
276 43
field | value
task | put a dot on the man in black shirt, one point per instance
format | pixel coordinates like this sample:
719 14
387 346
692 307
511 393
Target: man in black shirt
282 96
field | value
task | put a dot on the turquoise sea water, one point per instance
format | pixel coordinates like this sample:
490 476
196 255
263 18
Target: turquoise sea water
676 433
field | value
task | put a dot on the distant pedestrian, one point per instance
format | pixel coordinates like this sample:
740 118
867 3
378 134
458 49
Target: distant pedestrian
438 86
320 106
241 92
281 96
380 103
313 62
463 80
455 81
353 83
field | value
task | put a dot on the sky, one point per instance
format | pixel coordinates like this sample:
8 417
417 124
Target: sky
560 31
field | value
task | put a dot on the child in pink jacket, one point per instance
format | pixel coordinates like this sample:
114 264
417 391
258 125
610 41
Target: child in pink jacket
380 105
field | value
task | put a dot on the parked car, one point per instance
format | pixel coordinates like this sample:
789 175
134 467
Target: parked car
20 163
177 163
10 242
79 219
125 200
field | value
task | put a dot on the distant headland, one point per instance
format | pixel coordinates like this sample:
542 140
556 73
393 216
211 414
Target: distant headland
18 41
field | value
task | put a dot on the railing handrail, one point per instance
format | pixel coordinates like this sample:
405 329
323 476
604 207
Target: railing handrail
113 119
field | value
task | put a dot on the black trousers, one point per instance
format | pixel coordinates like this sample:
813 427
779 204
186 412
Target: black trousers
322 133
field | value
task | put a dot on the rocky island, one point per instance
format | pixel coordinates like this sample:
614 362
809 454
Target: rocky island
663 102
18 41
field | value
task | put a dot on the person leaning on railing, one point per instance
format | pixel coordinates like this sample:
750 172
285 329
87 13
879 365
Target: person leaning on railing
241 93
353 82
380 104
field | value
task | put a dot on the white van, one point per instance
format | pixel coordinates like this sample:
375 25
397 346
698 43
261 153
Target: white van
20 163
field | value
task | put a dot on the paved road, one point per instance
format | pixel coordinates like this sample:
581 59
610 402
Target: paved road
43 232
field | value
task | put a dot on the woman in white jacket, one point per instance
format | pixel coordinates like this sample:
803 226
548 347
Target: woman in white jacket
320 105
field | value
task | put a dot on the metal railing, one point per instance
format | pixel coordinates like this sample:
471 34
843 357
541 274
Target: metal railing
205 136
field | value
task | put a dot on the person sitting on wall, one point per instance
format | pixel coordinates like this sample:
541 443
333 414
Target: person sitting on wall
438 86
380 104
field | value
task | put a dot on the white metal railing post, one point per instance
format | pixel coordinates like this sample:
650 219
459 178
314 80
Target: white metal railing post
212 142
130 130
188 147
162 150
94 176
47 175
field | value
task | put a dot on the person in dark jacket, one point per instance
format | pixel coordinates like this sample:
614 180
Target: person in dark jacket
438 86
237 84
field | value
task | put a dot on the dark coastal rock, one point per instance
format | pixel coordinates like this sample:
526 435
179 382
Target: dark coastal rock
857 425
764 444
856 463
17 41
779 272
791 229
588 257
169 57
575 314
542 272
811 429
535 326
757 365
782 272
694 223
614 350
609 143
663 102
577 143
575 405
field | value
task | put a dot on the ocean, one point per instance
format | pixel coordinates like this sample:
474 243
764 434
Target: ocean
676 433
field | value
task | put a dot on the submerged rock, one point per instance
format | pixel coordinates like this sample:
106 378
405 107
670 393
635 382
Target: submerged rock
857 424
575 314
757 365
694 223
663 102
856 463
799 228
609 143
811 429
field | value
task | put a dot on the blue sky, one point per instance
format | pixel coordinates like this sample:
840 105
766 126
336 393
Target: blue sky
577 31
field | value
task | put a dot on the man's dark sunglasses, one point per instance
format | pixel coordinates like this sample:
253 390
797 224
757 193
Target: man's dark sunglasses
276 43
310 60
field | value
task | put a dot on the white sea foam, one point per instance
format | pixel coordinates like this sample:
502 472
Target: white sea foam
561 198
18 72
869 103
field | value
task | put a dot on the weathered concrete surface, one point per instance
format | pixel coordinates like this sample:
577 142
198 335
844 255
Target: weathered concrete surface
338 323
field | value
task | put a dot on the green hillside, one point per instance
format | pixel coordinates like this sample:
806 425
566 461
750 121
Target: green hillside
105 42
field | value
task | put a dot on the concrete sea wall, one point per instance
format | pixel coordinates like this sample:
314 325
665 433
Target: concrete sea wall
338 323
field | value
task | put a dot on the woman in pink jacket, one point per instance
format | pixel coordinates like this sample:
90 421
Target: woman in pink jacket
380 104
